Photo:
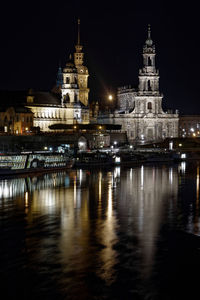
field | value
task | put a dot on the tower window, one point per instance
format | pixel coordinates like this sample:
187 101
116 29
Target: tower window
67 80
149 62
67 98
149 85
149 105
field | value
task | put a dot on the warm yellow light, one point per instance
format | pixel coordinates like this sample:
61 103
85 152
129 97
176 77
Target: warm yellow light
74 127
110 97
26 128
180 145
194 134
100 127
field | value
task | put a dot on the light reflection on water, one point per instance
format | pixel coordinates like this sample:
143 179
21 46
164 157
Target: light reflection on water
86 234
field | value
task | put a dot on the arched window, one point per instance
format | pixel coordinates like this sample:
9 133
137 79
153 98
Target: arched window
149 85
149 105
66 98
149 62
67 80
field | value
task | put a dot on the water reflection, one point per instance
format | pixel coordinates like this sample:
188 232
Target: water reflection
106 232
103 225
145 192
197 218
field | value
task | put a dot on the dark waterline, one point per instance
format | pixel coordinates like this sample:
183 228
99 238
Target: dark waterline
124 233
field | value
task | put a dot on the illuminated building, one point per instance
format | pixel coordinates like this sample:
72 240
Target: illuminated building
140 111
16 120
68 103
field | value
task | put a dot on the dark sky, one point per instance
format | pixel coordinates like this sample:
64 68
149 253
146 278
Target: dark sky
36 36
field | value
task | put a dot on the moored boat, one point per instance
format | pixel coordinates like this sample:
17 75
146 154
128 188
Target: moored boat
94 159
33 162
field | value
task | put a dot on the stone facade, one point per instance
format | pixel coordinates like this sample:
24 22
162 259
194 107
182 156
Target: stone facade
125 97
140 112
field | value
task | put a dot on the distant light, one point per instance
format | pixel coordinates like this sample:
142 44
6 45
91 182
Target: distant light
183 155
194 134
180 145
110 97
45 148
131 146
142 136
115 143
192 129
171 146
117 159
50 148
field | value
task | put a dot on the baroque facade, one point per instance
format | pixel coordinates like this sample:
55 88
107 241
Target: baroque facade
16 120
140 111
68 104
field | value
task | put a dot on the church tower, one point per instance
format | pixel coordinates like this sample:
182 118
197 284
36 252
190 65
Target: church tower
148 99
82 71
148 78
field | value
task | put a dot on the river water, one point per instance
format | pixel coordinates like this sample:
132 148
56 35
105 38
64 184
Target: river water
121 233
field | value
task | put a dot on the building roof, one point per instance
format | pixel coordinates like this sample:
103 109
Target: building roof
17 98
46 98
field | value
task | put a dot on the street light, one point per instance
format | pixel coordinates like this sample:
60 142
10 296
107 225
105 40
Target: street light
110 97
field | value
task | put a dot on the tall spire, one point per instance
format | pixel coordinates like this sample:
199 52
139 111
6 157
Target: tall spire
149 41
149 32
79 31
78 46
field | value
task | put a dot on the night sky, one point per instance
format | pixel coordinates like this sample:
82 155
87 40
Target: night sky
36 36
